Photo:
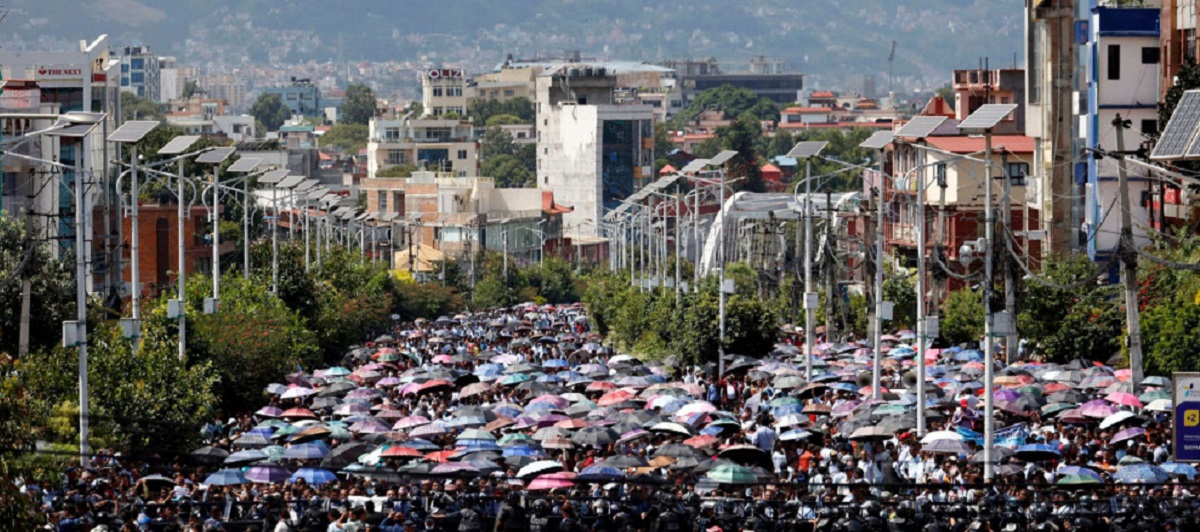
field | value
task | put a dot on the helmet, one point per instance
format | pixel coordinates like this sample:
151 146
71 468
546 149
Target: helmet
600 507
514 498
541 507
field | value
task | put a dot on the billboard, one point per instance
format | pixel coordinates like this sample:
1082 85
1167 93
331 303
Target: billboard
1185 395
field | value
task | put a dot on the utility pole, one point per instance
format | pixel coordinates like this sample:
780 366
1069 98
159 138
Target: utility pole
1010 278
877 355
809 337
275 240
81 213
678 289
246 229
216 239
182 273
989 361
721 284
1128 258
830 267
922 326
935 299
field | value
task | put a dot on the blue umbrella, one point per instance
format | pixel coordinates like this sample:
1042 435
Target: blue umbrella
1037 452
1141 474
522 450
267 474
550 378
477 445
248 456
305 451
1076 470
466 421
226 477
421 445
599 473
556 363
968 356
795 434
844 386
1176 468
313 476
786 410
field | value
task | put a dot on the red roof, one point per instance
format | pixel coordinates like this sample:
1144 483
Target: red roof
770 168
807 110
548 205
694 136
802 125
964 144
668 169
937 106
823 94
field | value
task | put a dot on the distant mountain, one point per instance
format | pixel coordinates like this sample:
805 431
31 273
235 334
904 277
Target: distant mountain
824 38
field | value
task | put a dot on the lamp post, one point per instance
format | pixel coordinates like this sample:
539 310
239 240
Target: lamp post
806 151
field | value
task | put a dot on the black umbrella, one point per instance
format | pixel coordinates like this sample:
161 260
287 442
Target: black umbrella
345 455
210 455
519 461
1068 396
337 388
595 436
623 462
677 450
998 454
476 411
747 455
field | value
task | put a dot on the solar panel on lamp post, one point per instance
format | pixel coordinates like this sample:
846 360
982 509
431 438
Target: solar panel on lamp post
177 146
806 151
215 157
918 129
131 133
982 121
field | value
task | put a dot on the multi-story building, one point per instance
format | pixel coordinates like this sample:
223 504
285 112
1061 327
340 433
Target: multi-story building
444 145
232 89
86 79
765 77
591 152
1050 97
1122 74
170 79
300 96
977 87
140 72
444 92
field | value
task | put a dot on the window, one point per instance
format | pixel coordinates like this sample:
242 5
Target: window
1114 61
396 157
437 92
1149 127
382 198
391 133
462 155
509 92
137 77
1150 55
1017 172
137 63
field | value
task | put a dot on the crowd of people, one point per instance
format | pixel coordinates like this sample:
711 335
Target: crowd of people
525 419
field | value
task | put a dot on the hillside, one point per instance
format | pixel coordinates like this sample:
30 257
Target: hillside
826 38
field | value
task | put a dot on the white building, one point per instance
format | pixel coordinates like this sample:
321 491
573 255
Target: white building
428 143
592 153
444 91
140 73
1123 50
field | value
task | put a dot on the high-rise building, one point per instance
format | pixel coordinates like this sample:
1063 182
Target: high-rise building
591 152
300 96
140 72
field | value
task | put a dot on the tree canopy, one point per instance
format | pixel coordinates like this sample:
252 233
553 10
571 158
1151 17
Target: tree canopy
350 138
733 101
358 107
483 110
270 111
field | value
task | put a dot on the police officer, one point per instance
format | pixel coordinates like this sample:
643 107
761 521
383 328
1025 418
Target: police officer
511 517
539 517
570 522
669 519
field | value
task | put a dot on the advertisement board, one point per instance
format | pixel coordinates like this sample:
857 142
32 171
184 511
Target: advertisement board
1185 395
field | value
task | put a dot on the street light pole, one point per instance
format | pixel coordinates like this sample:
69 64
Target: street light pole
246 229
922 326
81 212
134 259
809 337
877 355
182 266
216 240
721 284
989 422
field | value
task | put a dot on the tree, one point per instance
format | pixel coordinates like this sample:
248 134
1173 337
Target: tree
134 107
780 144
508 171
349 138
52 289
733 101
269 110
899 287
358 107
663 143
399 170
503 120
962 318
496 142
190 89
742 136
483 110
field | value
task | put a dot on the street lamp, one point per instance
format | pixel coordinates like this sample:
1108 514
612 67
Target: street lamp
215 157
806 151
177 146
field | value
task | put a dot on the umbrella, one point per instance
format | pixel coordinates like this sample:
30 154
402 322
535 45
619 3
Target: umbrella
595 436
248 456
1128 434
600 473
305 451
747 455
1036 452
551 482
674 428
1176 468
871 432
1116 419
210 455
540 467
941 435
677 450
732 474
1077 470
623 462
946 446
267 474
455 469
313 476
226 477
1076 480
1142 474
1122 398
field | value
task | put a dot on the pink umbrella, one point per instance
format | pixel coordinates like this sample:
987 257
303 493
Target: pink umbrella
269 411
1123 375
410 422
1099 411
296 392
552 481
388 381
555 400
352 409
1128 434
1122 398
443 359
696 408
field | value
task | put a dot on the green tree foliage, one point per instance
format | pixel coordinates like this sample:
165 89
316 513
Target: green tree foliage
52 289
899 287
663 144
190 89
843 146
134 107
503 120
735 102
151 401
19 418
412 300
742 136
554 280
399 170
270 111
508 171
358 107
512 165
962 318
1057 322
780 144
482 110
349 138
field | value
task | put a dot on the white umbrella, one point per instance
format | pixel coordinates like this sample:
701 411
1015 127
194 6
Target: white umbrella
1115 419
1160 405
540 467
941 435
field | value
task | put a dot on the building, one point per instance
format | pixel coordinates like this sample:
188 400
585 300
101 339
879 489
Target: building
459 216
591 152
1050 97
974 88
765 77
158 242
86 79
300 96
230 88
140 72
444 145
1177 39
444 92
1122 75
170 79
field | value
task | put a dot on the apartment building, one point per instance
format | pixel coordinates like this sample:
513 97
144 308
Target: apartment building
435 144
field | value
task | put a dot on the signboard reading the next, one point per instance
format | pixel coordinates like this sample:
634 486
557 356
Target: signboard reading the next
445 73
59 72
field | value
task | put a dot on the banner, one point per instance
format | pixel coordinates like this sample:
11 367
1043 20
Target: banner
1185 388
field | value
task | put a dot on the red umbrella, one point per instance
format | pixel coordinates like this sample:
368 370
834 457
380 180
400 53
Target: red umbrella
434 384
615 397
407 452
703 440
440 456
600 386
571 424
298 413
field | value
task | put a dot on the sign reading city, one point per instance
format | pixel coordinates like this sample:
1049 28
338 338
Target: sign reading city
1185 389
445 73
